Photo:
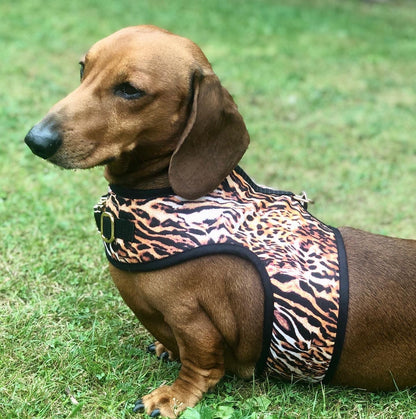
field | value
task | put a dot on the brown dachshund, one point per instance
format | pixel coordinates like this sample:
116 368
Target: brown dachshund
152 111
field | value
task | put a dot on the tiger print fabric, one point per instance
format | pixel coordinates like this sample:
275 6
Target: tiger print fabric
295 254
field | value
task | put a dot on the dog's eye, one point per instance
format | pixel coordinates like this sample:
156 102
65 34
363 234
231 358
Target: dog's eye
128 91
81 70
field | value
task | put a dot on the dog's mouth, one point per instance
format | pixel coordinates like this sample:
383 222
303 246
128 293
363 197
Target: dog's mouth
46 140
84 156
106 161
82 164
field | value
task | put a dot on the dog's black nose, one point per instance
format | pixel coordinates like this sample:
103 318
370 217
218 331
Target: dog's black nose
44 140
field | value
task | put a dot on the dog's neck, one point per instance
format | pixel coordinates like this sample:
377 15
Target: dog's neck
145 175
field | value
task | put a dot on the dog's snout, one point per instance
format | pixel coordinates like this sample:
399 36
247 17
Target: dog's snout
44 140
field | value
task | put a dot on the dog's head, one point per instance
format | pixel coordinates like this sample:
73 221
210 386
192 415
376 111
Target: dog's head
148 103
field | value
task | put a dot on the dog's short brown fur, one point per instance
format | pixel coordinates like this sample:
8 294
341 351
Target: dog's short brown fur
151 109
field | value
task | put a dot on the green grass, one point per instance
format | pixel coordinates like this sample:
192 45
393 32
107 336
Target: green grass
328 92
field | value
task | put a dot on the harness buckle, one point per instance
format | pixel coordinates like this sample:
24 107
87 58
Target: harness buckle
303 199
110 217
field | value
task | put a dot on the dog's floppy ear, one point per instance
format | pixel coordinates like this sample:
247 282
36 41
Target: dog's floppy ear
213 142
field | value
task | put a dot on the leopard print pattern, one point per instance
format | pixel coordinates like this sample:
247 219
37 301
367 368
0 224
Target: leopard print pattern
298 253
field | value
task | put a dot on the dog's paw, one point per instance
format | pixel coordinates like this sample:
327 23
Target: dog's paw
164 401
139 408
161 351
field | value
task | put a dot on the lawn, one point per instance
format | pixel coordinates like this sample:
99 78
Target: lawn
328 92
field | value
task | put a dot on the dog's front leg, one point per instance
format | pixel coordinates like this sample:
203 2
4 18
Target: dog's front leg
201 352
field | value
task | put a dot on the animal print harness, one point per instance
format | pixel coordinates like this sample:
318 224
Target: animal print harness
301 260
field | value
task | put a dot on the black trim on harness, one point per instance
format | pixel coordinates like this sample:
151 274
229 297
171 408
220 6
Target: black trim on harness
159 193
260 189
343 306
141 193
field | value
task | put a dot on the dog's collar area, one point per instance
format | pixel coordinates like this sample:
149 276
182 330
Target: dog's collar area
162 192
111 227
141 193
